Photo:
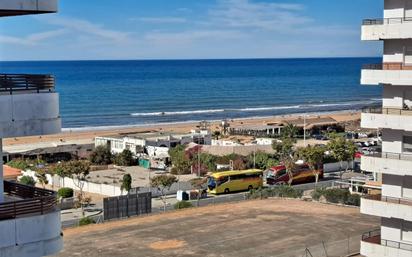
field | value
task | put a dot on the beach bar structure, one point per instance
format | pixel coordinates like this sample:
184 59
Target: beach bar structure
29 218
394 120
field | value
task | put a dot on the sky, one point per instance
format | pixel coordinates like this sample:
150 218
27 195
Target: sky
191 29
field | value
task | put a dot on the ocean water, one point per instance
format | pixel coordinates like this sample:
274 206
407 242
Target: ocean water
126 93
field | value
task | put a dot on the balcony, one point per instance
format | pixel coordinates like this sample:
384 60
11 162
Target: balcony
29 222
28 105
388 163
389 73
389 28
387 207
24 7
390 118
372 245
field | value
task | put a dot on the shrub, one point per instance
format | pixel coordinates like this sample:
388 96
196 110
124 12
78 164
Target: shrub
336 195
318 193
65 192
86 221
353 200
18 164
183 205
279 191
101 155
124 158
27 180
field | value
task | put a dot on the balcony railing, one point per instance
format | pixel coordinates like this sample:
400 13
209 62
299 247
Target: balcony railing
378 66
11 83
387 111
34 201
385 21
374 237
388 199
395 156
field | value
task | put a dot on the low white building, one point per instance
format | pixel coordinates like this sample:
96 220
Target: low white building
152 143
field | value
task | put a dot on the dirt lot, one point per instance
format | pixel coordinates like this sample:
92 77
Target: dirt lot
254 228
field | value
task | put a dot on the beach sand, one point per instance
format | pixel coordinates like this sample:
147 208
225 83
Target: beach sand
89 135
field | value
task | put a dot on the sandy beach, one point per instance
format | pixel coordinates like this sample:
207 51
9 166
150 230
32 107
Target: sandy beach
89 135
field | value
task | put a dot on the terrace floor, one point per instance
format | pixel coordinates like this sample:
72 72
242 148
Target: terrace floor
252 228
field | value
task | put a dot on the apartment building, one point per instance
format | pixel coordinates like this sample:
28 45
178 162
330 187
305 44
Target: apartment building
394 120
29 218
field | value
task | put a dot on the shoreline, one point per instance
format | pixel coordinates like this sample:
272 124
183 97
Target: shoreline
88 135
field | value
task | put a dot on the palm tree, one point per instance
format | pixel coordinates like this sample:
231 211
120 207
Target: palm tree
290 131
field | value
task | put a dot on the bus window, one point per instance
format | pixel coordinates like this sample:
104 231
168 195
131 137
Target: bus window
222 180
280 173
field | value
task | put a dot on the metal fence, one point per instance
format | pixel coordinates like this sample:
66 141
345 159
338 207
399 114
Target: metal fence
340 248
127 206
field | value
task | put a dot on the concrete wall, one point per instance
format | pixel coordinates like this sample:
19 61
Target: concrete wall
386 166
389 121
29 114
102 189
391 77
29 5
396 96
31 236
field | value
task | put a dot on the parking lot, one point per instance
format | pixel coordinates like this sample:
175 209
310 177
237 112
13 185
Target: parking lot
271 227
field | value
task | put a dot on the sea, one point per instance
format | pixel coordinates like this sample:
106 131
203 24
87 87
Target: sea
104 94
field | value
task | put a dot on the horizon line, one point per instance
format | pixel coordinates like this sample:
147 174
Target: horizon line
193 59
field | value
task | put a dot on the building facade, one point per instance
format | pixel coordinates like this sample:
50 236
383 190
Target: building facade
29 218
394 121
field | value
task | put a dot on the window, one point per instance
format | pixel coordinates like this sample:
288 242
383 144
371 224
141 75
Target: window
407 144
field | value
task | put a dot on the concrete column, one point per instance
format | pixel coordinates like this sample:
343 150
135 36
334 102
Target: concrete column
1 172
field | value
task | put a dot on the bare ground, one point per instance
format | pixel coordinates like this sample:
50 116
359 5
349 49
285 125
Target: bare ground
271 227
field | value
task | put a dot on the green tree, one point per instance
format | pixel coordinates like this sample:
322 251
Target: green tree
289 131
342 150
28 181
313 156
216 135
163 183
78 171
101 155
181 163
126 183
19 164
285 152
124 158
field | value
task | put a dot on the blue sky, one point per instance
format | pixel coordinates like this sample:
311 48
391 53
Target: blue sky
191 29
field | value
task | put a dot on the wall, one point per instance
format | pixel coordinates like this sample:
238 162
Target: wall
335 167
394 8
29 114
108 190
28 5
31 236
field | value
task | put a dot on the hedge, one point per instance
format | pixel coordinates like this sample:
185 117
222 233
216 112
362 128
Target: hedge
336 195
279 191
65 192
183 205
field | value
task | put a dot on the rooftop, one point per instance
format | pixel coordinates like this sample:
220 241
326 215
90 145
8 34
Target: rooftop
250 228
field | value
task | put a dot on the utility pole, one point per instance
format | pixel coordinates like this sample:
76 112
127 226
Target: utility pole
304 129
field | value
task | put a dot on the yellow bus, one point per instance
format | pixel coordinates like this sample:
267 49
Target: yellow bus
233 181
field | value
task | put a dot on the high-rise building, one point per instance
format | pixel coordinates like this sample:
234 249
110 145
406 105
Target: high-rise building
29 218
394 121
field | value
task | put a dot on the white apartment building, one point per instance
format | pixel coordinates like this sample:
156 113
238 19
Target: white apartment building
29 218
394 120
